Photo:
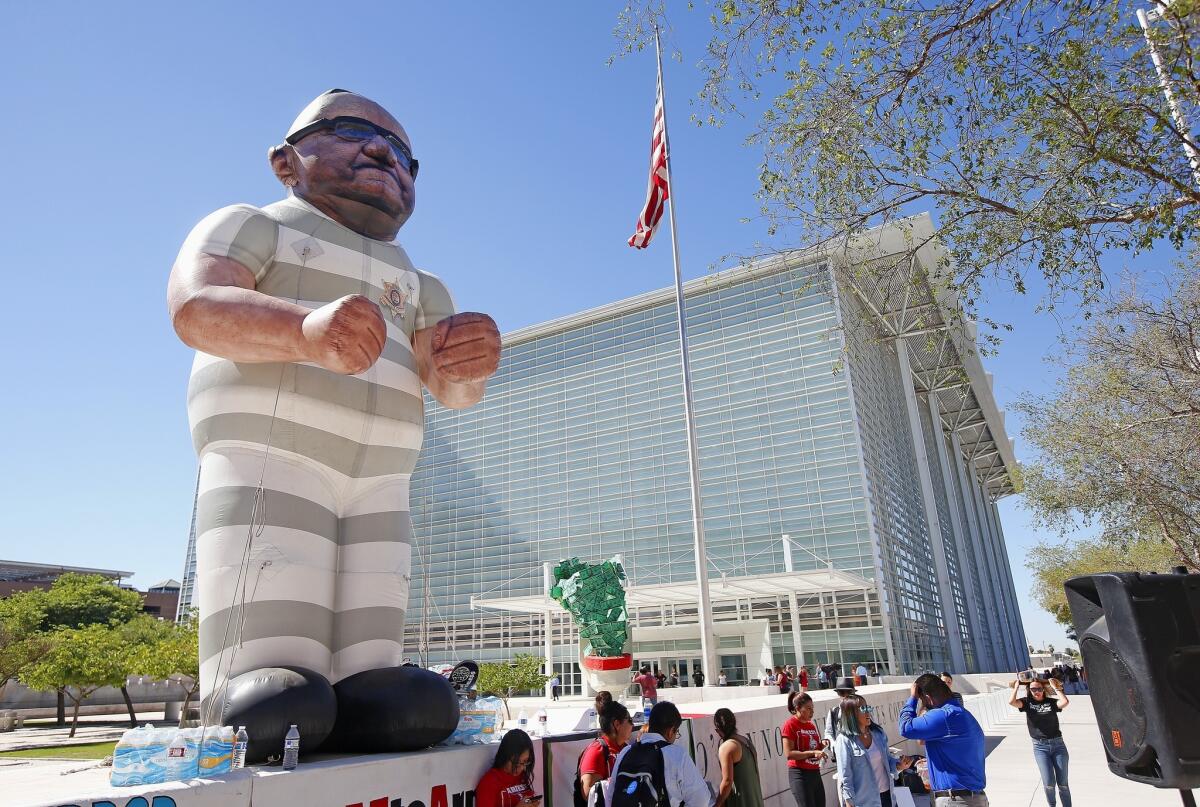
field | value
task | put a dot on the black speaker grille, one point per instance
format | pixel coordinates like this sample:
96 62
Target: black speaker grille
1115 697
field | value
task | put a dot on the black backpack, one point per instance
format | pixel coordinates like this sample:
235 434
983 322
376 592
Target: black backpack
580 798
641 780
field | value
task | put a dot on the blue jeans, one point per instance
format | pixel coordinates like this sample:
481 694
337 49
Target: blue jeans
1052 757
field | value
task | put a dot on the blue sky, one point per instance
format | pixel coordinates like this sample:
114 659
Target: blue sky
126 127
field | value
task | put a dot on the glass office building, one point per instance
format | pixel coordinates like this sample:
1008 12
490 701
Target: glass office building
840 407
805 429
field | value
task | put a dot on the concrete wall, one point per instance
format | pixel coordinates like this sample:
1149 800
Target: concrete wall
967 683
147 694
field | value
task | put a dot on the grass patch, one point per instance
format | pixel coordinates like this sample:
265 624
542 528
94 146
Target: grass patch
82 751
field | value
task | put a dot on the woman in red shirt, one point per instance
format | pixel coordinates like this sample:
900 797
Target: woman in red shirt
803 678
781 680
508 783
595 764
804 749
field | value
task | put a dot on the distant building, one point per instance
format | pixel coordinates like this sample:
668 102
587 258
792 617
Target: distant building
160 600
187 590
17 576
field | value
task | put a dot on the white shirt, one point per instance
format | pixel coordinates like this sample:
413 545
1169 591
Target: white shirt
685 784
876 755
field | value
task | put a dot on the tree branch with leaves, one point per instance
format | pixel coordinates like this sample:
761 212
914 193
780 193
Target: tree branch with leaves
1036 132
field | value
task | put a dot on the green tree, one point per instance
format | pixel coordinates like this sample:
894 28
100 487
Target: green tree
505 679
79 662
21 642
1119 436
174 655
1037 132
1053 564
77 600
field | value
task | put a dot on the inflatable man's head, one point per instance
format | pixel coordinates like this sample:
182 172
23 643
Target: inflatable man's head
347 153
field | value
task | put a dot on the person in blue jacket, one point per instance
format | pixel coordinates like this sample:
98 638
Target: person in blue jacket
953 743
866 770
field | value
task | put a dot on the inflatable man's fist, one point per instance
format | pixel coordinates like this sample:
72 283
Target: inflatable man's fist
466 347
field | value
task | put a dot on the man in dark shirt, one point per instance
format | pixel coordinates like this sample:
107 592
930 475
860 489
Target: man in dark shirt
953 742
949 681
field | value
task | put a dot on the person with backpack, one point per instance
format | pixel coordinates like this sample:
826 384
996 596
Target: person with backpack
595 763
740 786
653 772
843 688
509 782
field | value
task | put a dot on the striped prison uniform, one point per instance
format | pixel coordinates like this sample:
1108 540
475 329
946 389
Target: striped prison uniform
327 581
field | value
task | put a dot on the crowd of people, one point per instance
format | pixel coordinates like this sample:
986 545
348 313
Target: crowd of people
625 768
785 678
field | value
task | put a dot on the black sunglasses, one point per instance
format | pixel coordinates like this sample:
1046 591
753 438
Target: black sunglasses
359 130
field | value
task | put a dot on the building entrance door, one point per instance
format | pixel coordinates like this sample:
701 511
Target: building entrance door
686 667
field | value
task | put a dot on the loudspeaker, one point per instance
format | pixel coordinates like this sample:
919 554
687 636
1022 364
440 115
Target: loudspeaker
1139 635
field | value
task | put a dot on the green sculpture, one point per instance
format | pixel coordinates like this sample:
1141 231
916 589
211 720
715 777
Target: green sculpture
594 594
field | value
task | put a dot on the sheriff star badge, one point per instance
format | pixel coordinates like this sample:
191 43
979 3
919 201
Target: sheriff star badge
396 299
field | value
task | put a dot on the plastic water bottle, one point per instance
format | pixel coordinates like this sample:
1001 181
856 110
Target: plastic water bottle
542 719
646 712
239 747
291 748
523 721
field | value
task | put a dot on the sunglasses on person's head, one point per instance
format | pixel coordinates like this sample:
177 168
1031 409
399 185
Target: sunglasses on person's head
359 130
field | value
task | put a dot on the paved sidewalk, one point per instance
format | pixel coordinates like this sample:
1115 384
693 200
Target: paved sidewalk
1012 775
91 729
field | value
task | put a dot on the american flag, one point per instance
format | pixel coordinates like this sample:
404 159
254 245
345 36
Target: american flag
657 190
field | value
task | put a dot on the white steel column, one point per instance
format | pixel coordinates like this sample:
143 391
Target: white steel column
997 578
954 636
1020 650
1000 598
548 616
974 539
1022 642
960 538
794 607
898 666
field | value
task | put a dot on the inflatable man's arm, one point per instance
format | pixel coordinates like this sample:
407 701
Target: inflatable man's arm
456 353
215 308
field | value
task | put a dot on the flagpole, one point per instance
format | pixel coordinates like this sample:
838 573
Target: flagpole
705 605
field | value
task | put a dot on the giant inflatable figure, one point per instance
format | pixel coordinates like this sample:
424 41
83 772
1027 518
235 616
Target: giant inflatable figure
314 336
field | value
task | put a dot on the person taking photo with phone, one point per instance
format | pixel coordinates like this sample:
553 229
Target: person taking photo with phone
509 782
1041 705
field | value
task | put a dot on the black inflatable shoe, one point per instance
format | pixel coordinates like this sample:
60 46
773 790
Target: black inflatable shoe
392 709
269 700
